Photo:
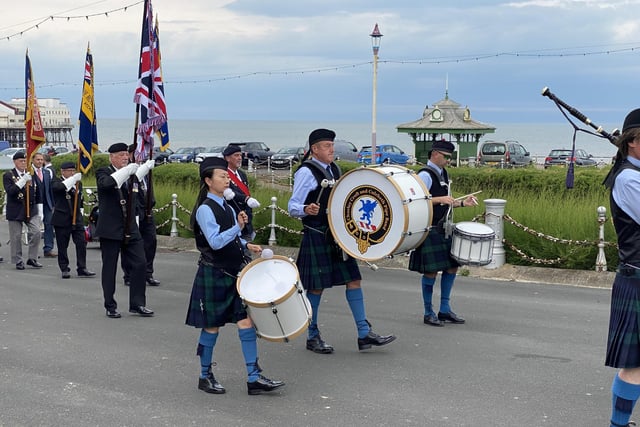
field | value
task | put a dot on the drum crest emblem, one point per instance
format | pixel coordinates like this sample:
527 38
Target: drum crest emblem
367 216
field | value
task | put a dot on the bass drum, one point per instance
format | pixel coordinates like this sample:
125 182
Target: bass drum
375 212
275 300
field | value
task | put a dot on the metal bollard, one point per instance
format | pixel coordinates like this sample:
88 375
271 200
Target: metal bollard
494 212
174 215
272 235
601 260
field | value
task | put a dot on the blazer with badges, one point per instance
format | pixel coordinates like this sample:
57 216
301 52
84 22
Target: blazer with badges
16 197
113 203
63 204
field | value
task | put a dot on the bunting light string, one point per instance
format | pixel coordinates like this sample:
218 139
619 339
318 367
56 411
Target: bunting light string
433 61
69 18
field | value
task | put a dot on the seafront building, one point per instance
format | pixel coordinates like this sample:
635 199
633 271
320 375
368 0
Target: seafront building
55 116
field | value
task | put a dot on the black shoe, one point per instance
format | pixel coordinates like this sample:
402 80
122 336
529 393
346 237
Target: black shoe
450 317
374 339
51 254
66 275
34 263
1 259
112 313
142 311
152 282
210 385
317 345
263 385
85 273
432 320
20 266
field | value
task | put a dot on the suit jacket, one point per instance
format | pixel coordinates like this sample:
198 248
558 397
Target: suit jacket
44 186
16 196
63 204
111 220
143 193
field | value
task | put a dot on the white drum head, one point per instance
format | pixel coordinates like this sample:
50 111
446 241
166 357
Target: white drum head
367 213
267 280
469 228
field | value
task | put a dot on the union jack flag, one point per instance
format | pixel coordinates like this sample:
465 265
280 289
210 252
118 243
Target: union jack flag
150 107
158 88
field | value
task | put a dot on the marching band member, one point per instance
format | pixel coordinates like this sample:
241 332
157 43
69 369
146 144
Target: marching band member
433 255
214 298
623 348
320 261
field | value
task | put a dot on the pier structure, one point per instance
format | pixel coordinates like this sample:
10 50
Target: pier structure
55 116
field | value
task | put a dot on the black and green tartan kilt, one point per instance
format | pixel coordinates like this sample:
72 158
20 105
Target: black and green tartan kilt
434 254
214 299
320 264
623 344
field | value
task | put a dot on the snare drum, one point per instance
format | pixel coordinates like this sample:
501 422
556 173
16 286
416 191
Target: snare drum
379 211
274 298
472 243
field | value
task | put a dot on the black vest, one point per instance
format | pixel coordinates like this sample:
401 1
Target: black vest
319 174
627 229
230 256
438 190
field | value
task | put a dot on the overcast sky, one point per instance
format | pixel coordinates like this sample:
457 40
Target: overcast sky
312 59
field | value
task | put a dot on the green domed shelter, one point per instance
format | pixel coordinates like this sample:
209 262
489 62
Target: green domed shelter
448 120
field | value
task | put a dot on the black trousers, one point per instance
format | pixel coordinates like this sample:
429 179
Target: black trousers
133 252
147 228
63 235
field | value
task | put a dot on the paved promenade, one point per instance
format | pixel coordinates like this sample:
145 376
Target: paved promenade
531 354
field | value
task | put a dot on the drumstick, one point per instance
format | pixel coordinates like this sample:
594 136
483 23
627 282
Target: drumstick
324 184
467 195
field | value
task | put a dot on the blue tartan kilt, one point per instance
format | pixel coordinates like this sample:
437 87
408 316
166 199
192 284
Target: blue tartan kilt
433 255
320 263
623 343
214 299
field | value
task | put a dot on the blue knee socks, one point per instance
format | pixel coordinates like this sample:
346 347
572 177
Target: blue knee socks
624 397
250 351
314 299
206 343
355 298
446 284
427 294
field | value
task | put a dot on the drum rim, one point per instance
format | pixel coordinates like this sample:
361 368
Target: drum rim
280 299
492 234
378 169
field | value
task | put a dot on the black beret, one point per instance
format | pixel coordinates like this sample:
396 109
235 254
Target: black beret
231 149
118 147
210 163
68 165
19 155
632 120
444 146
132 147
321 135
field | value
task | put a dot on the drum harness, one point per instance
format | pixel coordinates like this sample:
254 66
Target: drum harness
446 224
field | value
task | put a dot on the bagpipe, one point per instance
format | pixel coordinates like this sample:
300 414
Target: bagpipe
599 131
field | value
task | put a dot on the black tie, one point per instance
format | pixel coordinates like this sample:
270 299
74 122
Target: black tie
329 171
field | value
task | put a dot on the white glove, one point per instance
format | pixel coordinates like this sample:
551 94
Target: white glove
70 182
23 180
228 194
121 175
253 203
144 169
41 211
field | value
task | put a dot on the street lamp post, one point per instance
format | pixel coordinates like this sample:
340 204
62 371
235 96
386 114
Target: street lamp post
375 43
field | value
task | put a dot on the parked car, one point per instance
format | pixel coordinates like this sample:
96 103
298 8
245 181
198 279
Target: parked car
286 156
185 154
257 152
215 151
54 150
562 157
385 154
161 156
9 152
503 154
345 150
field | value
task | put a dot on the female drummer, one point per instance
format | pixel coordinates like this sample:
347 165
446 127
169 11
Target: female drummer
214 298
320 261
433 255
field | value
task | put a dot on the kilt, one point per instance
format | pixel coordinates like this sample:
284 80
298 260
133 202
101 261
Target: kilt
320 263
433 255
623 343
214 299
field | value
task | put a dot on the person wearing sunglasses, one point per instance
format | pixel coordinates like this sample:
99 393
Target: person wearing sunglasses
433 255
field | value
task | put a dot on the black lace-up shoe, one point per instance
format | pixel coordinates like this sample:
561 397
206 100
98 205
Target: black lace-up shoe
374 339
317 345
263 385
210 385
